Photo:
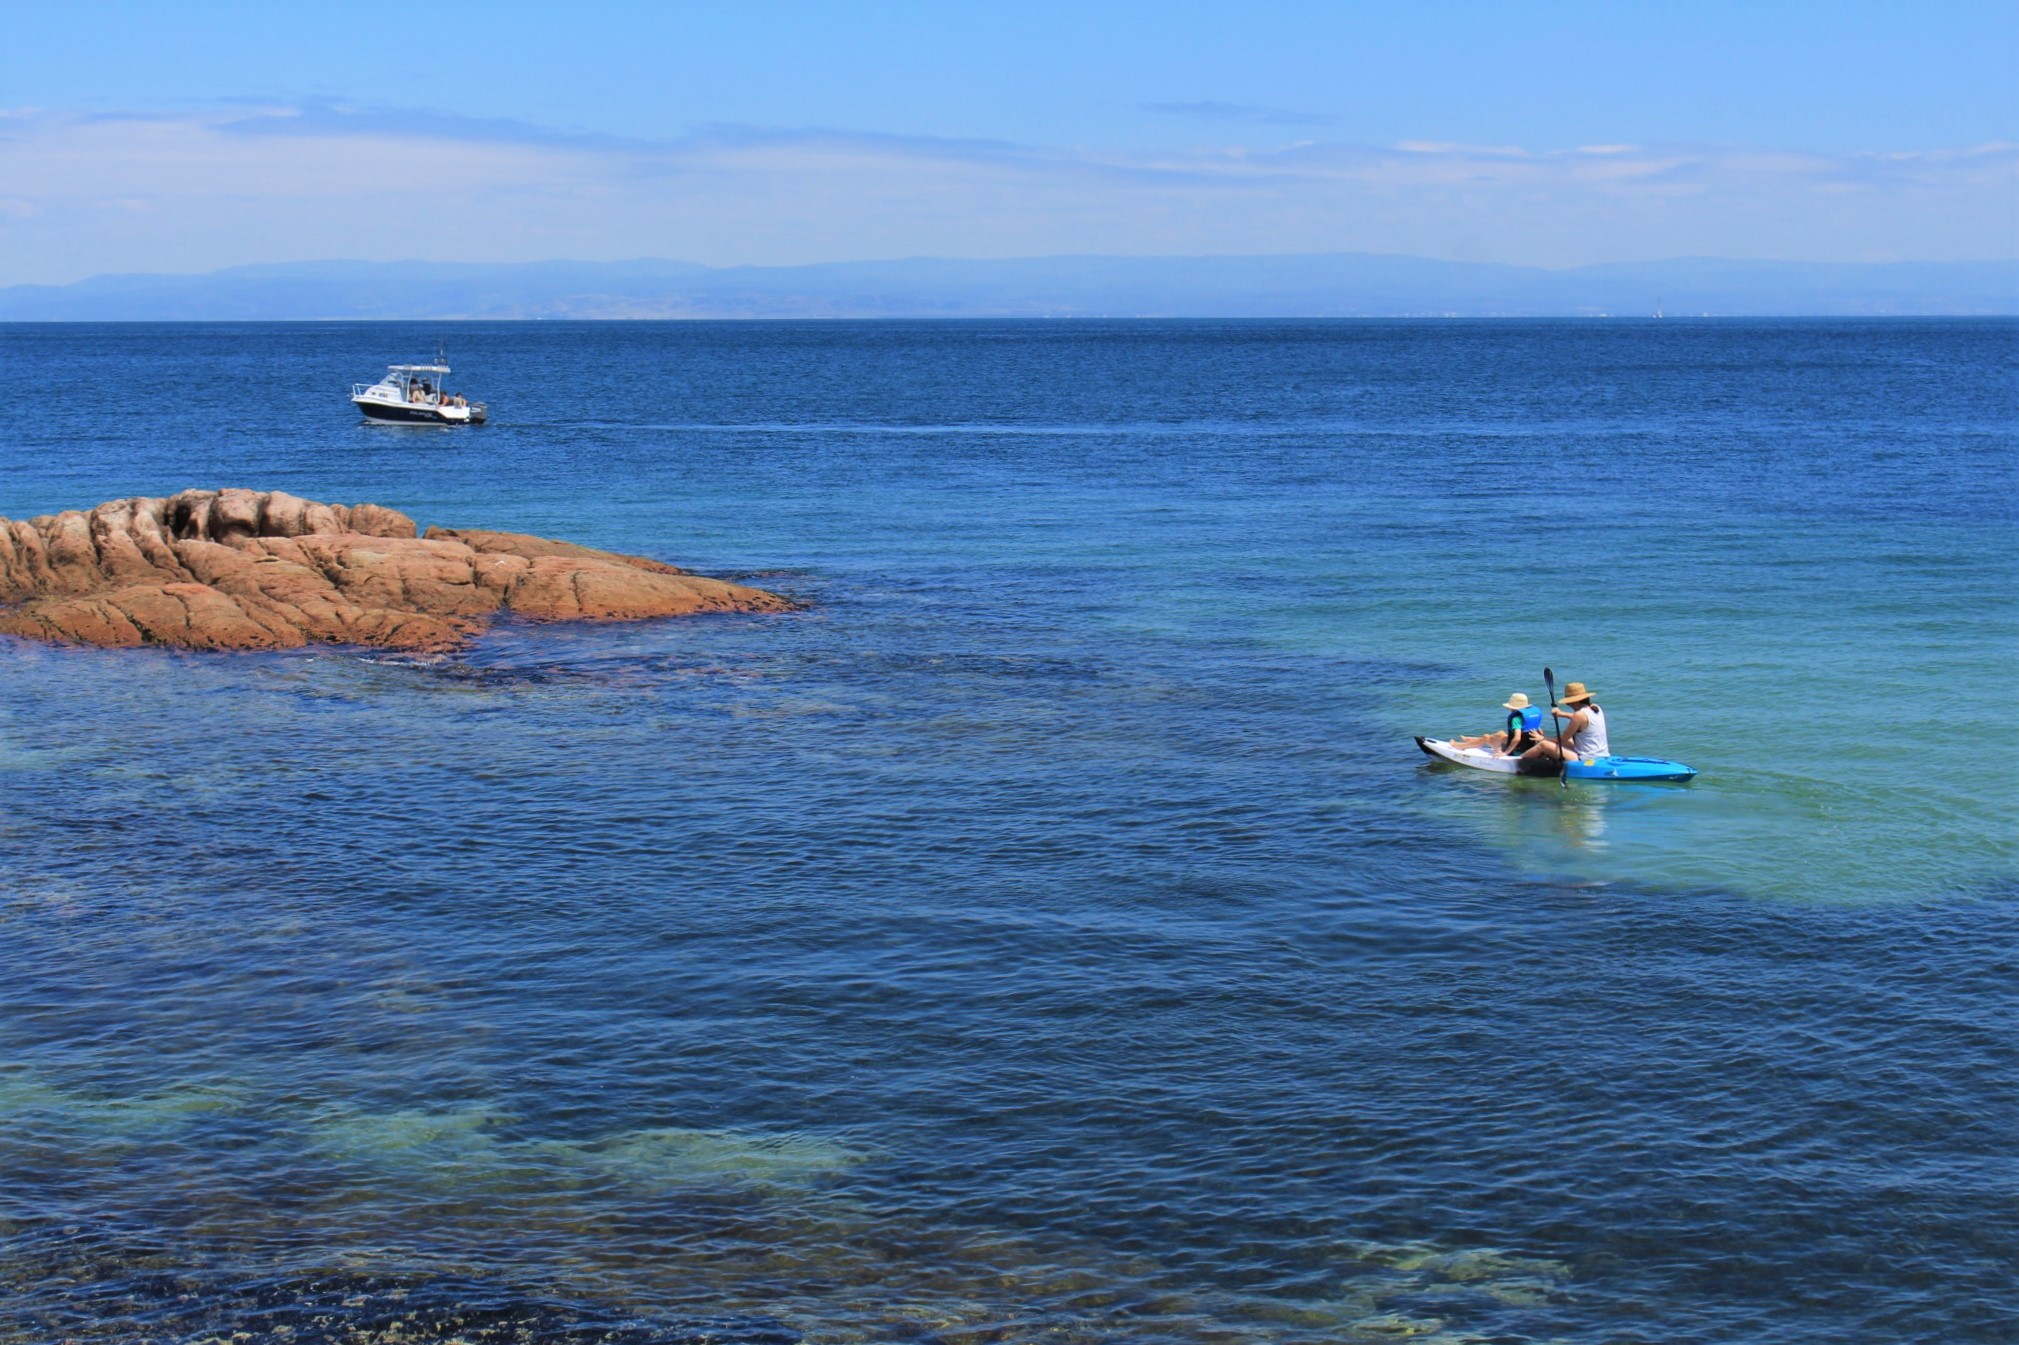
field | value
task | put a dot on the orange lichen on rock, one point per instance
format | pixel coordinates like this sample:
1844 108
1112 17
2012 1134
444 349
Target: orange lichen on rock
243 569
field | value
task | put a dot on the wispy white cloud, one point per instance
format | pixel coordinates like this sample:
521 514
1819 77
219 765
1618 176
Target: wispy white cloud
1211 110
1467 151
192 189
331 117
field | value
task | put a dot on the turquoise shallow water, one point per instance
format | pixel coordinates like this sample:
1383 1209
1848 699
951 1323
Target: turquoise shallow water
1052 932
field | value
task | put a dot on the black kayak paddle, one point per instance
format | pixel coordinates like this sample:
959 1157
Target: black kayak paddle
1562 761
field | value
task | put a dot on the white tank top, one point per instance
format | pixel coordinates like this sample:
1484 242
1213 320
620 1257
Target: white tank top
1589 741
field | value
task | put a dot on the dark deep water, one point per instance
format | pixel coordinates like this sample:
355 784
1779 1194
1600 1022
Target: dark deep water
1051 934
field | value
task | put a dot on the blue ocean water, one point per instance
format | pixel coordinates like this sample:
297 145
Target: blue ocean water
1051 933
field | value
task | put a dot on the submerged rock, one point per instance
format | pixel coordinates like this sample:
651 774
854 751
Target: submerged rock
471 1149
243 569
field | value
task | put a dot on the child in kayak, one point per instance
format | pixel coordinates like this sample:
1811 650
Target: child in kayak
1523 730
1583 734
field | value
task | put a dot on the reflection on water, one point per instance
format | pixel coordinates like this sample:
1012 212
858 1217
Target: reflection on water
1581 832
1712 833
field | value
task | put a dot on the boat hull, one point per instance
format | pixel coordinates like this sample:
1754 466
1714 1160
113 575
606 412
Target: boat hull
394 413
1597 769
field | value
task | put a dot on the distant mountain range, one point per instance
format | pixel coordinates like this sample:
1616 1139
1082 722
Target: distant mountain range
1343 284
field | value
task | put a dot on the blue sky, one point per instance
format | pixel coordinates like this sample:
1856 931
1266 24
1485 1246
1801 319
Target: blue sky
186 136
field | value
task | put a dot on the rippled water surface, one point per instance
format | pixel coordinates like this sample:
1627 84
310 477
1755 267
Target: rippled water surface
1050 933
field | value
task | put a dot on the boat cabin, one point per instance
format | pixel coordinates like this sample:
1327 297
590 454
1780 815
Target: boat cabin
413 393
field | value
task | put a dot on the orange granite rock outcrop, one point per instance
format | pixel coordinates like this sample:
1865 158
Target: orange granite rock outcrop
244 569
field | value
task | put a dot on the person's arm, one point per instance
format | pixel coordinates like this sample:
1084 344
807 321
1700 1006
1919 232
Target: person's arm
1578 720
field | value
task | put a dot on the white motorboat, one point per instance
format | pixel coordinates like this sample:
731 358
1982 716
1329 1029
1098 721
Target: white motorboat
412 394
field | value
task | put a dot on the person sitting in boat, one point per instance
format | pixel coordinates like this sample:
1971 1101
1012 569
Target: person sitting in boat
1523 729
1583 734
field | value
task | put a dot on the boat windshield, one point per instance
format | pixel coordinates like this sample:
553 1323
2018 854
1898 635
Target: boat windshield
420 384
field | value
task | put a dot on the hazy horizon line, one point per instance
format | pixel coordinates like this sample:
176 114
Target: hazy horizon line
648 258
1283 285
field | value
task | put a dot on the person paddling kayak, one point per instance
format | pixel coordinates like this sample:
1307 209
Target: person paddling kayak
1585 754
1584 734
1523 729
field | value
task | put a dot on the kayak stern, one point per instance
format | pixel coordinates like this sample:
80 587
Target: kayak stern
1629 768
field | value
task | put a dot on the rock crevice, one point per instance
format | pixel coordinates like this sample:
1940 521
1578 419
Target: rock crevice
244 569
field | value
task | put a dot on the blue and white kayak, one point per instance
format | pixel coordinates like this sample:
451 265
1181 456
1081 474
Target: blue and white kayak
1587 768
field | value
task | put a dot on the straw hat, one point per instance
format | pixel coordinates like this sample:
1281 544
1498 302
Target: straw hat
1574 691
1518 701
